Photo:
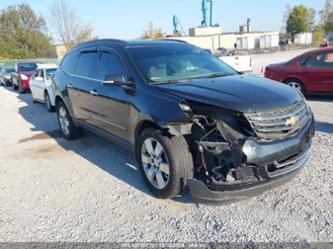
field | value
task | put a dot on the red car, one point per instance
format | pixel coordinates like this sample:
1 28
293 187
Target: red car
311 72
21 76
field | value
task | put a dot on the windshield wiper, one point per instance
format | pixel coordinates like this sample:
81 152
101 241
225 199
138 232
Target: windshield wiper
216 75
168 82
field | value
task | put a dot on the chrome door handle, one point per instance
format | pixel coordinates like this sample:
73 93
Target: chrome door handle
93 92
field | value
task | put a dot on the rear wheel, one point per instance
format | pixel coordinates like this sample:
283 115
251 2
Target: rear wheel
69 130
22 91
14 86
48 104
165 162
297 85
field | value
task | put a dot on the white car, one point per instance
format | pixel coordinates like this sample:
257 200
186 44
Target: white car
41 85
241 63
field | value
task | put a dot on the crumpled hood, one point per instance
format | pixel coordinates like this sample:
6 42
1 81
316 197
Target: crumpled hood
242 93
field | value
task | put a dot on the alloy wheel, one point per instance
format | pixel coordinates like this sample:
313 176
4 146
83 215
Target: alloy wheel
155 163
63 120
295 85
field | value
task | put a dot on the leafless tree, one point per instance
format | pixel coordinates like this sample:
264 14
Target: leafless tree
67 25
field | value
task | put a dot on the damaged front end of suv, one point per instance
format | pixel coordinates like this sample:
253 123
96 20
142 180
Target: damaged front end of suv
239 155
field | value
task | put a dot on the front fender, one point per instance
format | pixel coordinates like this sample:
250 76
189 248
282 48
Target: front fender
156 109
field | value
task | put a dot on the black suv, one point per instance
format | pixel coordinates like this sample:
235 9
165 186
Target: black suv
190 119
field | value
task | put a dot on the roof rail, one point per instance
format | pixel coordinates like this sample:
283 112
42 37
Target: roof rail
174 40
101 40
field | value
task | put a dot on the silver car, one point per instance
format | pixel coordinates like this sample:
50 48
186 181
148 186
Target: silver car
5 76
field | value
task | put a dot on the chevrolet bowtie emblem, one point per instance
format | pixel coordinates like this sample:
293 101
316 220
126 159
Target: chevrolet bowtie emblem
291 121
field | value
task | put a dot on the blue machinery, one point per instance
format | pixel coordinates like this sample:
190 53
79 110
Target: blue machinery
176 25
207 13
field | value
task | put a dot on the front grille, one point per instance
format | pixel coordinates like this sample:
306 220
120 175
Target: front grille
280 123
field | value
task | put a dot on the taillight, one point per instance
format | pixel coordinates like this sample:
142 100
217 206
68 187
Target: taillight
24 77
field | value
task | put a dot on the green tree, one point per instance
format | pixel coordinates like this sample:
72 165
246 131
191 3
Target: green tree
301 19
318 34
22 33
152 32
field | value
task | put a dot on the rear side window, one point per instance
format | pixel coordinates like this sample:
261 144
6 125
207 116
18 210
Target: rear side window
86 64
109 65
69 62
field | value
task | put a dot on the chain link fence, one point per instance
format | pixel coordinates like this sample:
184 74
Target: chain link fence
11 63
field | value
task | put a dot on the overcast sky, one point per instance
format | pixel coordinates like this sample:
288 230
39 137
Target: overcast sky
126 19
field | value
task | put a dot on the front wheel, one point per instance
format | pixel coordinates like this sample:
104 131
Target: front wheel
69 130
165 162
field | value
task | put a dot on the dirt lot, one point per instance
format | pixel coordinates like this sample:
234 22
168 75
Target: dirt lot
90 190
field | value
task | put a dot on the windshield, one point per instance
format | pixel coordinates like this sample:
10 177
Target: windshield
50 72
9 70
28 67
176 63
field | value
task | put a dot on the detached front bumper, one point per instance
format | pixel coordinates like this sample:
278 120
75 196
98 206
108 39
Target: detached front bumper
289 156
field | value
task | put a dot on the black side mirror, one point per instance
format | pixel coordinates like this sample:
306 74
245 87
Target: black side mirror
117 79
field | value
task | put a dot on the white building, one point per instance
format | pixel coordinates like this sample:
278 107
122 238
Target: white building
239 40
303 38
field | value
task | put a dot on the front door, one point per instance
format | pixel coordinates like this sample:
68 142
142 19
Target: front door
319 73
112 110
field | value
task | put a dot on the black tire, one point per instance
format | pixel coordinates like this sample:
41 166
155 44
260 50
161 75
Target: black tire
15 87
48 104
74 132
22 91
302 88
179 158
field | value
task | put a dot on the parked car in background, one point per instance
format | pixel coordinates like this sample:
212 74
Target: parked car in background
5 76
311 72
41 85
190 119
21 76
242 63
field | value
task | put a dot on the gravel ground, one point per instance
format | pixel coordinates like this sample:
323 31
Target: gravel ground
90 190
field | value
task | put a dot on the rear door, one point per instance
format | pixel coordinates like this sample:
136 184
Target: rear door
37 84
112 108
318 72
83 84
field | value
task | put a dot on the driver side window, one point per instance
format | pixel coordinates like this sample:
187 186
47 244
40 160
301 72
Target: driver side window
35 74
109 65
328 60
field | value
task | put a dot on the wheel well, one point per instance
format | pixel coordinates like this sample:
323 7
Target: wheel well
293 78
144 125
58 100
